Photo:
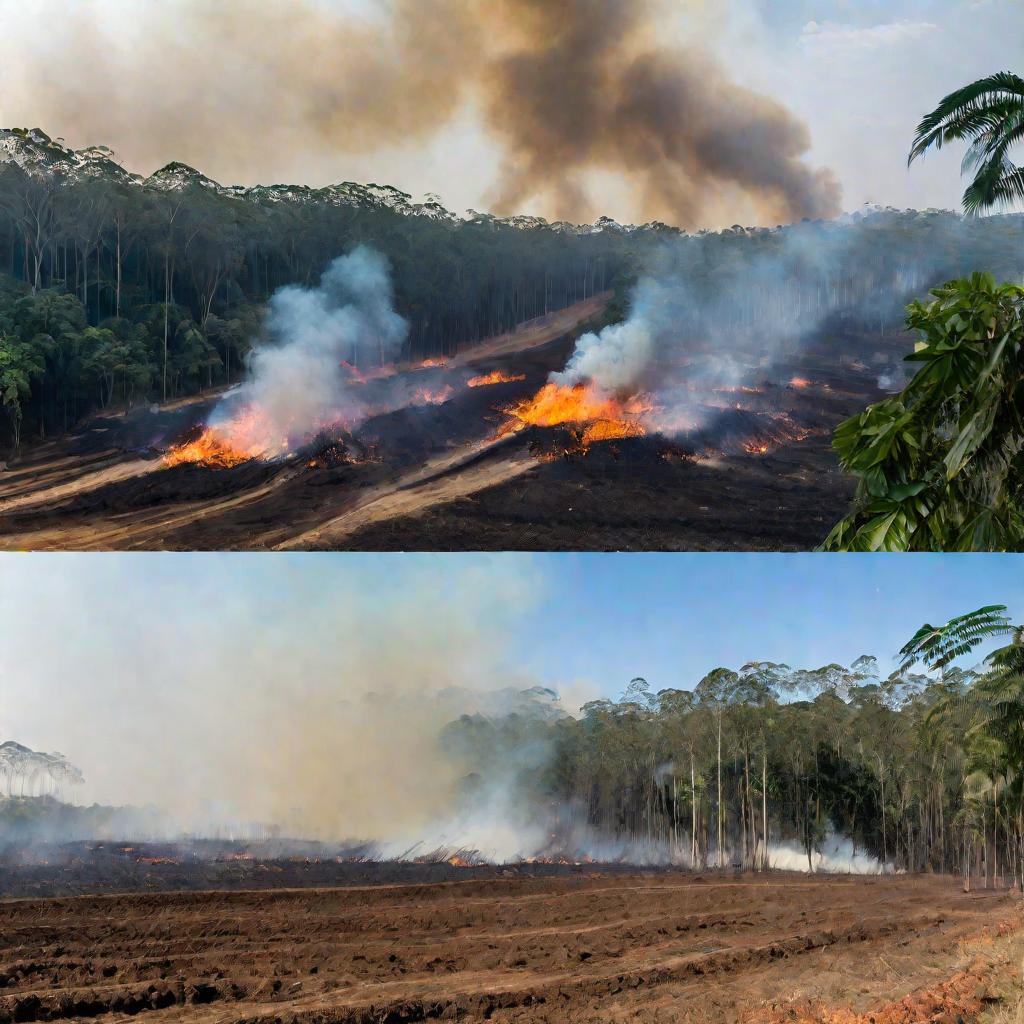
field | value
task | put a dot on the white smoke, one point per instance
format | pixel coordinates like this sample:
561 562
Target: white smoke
836 855
296 378
617 358
714 312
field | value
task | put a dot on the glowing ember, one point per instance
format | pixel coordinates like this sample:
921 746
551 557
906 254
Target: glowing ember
606 416
432 396
373 373
799 382
496 377
781 431
433 361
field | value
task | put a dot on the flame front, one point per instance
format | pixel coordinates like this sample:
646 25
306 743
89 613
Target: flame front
495 377
605 416
245 437
432 396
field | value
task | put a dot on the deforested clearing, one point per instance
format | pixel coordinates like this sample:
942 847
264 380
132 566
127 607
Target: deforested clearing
585 945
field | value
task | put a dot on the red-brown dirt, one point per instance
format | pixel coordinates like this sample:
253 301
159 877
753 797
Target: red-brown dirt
594 947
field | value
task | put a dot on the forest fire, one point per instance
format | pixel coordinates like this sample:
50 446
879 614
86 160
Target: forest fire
495 377
246 436
209 449
606 417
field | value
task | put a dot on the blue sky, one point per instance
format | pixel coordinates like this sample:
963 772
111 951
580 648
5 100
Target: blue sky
166 677
673 617
592 619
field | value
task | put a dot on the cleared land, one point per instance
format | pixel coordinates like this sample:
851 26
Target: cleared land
759 474
582 945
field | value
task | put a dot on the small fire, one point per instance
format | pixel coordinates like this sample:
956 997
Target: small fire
432 361
605 416
432 396
459 862
373 373
247 436
495 377
799 382
209 449
782 430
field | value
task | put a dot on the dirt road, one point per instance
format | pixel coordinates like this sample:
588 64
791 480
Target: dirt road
594 947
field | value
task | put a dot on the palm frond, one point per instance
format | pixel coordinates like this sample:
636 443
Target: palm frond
965 113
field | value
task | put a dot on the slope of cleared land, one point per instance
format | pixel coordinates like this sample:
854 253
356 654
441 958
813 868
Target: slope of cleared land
593 946
759 474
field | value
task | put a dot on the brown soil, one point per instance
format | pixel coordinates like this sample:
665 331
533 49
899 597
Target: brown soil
438 477
593 947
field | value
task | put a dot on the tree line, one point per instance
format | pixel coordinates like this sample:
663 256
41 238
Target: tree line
115 290
923 771
27 772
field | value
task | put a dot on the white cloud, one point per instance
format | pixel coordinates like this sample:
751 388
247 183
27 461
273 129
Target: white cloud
830 37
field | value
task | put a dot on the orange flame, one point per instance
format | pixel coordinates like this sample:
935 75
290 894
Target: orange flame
781 431
607 417
373 373
799 382
247 436
495 377
428 396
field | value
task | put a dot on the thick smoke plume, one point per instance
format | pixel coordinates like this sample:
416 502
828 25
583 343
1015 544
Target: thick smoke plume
568 90
297 381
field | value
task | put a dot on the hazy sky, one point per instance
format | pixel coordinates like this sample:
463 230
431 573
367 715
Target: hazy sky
169 657
858 74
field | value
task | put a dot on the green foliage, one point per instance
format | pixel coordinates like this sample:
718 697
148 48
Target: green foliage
834 748
940 465
115 254
989 115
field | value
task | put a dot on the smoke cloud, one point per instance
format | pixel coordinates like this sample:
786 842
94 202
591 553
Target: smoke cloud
568 91
229 694
296 378
715 312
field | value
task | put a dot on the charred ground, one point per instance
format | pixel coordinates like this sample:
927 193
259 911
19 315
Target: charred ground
758 475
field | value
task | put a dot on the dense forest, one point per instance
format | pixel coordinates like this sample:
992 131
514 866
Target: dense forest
920 770
117 289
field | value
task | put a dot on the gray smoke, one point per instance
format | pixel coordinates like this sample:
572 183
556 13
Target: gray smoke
714 312
296 378
568 90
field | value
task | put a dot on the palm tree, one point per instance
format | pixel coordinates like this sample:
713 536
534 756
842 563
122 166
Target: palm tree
989 115
938 646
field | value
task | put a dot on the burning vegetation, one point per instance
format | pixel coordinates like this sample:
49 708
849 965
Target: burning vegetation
602 417
247 435
495 377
